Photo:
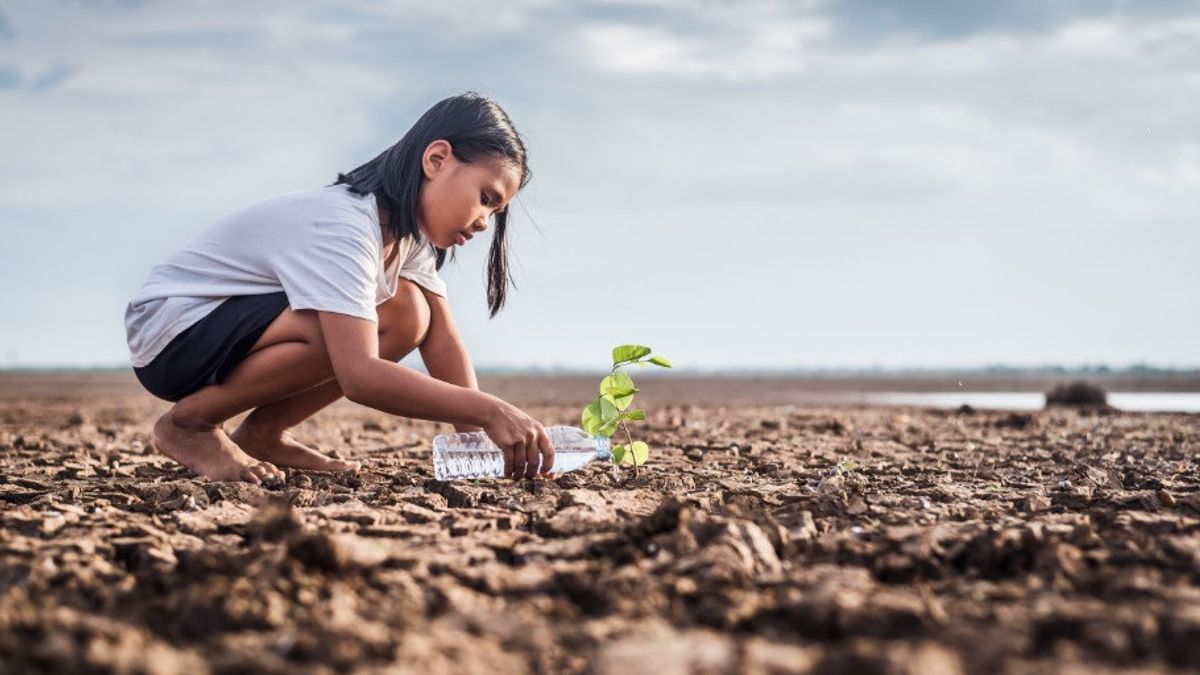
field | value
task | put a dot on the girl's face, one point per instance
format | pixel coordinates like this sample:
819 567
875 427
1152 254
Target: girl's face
457 200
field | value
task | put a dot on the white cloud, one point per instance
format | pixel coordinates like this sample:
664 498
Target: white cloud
732 42
479 18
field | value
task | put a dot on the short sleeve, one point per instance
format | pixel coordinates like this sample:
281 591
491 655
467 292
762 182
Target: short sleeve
331 265
420 267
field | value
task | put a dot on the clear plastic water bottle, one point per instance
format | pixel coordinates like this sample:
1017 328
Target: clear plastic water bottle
474 455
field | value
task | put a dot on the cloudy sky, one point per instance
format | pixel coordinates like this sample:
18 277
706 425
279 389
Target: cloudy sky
751 184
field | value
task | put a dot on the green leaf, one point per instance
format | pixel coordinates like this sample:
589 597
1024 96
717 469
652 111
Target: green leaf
618 380
636 453
660 361
610 416
618 453
598 415
608 429
641 452
635 414
627 353
618 387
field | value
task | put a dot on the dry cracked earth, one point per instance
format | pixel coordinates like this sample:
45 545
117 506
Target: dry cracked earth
761 539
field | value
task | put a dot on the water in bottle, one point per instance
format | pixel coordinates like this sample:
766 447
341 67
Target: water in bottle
474 455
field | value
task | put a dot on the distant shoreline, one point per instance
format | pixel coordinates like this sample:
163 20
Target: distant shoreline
1100 372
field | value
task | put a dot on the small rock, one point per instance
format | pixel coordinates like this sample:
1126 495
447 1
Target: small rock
52 523
1165 498
805 527
1034 503
320 550
274 521
856 505
1077 394
901 658
691 652
763 656
1015 421
685 586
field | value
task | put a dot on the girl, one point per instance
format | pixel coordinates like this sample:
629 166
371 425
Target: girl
291 303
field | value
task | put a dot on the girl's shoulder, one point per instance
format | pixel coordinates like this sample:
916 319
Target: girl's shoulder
332 197
323 206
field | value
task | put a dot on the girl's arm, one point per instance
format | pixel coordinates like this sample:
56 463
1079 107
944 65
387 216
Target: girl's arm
443 351
353 347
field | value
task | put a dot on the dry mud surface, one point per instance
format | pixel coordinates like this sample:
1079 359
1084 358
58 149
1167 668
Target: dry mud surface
761 539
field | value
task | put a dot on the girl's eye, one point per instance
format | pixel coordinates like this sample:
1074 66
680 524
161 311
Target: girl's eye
483 198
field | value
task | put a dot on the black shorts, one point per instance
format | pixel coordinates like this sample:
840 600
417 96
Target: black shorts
209 349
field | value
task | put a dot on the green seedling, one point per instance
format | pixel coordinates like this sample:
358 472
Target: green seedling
610 411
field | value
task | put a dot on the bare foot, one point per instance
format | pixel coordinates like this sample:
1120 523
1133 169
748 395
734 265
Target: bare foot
209 452
282 450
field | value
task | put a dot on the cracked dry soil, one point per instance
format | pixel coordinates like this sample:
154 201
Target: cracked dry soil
761 539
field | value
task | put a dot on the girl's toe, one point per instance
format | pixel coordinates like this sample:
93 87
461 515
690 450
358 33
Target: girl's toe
267 471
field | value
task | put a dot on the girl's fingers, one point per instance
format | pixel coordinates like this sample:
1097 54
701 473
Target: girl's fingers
547 452
518 460
532 450
509 454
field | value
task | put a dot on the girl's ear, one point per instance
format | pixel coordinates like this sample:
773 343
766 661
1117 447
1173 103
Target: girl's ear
436 154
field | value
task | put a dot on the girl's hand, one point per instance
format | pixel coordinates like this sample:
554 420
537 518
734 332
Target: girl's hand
523 440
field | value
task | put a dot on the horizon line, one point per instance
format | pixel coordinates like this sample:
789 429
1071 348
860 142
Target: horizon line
843 370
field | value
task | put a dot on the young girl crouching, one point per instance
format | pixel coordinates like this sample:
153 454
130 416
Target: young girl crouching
291 303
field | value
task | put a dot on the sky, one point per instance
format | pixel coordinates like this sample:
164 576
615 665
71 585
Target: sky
760 184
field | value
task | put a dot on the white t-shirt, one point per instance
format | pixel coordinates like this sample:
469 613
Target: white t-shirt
322 247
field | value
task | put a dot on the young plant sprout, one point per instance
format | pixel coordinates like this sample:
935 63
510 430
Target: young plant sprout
610 411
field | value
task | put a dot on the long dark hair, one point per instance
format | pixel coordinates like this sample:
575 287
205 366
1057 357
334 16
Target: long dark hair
477 128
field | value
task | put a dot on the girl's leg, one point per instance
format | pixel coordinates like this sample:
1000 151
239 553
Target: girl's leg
404 322
288 359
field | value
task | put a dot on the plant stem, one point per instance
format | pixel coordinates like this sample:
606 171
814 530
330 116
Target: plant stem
622 426
629 437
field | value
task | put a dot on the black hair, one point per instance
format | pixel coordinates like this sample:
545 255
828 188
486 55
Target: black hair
477 128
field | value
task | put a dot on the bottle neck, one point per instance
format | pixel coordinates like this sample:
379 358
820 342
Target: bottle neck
603 447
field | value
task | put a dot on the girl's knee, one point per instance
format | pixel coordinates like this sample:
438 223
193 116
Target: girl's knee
403 321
